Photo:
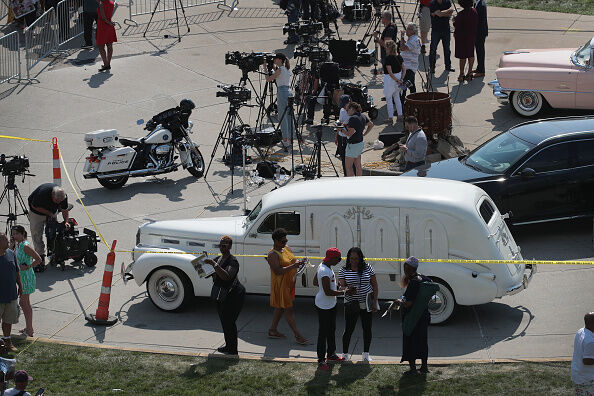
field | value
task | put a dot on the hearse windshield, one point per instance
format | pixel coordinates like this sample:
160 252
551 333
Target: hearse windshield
254 213
498 154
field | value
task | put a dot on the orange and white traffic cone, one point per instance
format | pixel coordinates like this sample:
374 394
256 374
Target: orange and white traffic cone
101 316
56 162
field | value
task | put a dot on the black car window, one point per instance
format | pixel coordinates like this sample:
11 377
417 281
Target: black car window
487 211
290 221
498 154
584 152
552 158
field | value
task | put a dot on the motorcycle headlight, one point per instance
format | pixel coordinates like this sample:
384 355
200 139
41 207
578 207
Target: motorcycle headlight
190 125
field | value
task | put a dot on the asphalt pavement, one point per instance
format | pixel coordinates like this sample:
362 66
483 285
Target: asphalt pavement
70 97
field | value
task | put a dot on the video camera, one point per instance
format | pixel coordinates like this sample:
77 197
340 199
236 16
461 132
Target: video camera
234 93
303 28
314 54
16 165
249 62
380 3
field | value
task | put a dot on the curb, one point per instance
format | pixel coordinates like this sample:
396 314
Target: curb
378 172
436 362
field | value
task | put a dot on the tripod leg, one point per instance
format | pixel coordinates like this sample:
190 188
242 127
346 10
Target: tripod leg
216 145
150 20
330 159
177 21
184 13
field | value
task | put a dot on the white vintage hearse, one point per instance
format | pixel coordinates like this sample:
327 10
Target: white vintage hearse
388 217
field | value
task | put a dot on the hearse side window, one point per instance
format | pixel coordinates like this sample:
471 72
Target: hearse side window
290 221
486 210
552 158
584 152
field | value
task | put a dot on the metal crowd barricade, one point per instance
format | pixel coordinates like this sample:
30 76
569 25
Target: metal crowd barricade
3 9
146 7
41 39
10 57
69 20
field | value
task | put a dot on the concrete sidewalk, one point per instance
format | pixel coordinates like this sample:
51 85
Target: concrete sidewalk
154 73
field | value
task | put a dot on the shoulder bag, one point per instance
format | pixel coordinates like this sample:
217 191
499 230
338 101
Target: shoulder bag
426 292
219 294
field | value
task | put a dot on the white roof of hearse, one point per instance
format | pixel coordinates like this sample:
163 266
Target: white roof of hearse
409 192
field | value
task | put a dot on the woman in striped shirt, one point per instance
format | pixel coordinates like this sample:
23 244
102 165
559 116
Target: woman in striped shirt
357 273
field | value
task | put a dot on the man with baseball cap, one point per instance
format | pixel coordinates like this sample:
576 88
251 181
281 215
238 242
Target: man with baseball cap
326 307
21 380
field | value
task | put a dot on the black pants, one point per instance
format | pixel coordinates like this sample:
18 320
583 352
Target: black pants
438 35
326 333
408 76
228 313
350 323
88 19
411 165
479 45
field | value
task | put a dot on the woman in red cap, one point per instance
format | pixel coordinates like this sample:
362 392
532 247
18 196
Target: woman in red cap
326 307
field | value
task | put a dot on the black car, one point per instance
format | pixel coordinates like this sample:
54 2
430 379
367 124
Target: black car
539 170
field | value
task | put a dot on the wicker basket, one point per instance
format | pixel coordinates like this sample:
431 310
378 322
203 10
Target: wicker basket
433 110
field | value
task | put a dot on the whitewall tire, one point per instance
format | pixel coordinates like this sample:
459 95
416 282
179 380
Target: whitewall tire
442 304
527 103
169 289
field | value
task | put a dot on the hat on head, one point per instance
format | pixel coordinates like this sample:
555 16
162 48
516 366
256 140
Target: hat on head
281 56
331 253
344 99
412 261
22 376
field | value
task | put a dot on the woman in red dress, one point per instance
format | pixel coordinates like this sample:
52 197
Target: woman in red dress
106 34
465 27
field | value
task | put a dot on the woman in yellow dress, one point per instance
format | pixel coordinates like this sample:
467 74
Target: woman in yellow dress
283 266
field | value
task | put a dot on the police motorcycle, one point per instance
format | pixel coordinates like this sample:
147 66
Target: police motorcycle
169 132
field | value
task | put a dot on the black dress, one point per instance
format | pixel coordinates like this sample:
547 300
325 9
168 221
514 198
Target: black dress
229 309
415 345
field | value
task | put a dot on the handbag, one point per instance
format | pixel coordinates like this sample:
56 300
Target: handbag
220 294
426 292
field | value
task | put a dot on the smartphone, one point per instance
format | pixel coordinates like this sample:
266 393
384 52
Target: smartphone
40 392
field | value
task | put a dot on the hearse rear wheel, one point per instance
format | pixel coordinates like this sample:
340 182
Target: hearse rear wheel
442 304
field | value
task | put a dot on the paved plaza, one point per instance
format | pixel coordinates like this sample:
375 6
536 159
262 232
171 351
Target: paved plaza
70 98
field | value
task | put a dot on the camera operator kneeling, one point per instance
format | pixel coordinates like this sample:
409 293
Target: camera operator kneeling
44 202
227 292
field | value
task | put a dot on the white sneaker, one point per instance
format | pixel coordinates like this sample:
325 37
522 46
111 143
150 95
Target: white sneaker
366 357
346 357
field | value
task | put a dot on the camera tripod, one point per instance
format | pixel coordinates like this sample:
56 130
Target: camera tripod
229 125
267 94
176 18
314 168
289 112
375 26
14 199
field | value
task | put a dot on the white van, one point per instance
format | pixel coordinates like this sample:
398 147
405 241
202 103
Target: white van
388 217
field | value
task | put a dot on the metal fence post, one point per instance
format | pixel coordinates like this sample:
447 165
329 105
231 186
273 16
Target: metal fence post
10 59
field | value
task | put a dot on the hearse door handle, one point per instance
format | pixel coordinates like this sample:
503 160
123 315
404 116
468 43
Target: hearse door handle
298 250
563 86
254 235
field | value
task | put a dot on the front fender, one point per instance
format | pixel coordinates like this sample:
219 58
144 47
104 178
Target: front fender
146 263
468 289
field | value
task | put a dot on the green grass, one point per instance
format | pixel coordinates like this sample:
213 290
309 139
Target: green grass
69 370
585 7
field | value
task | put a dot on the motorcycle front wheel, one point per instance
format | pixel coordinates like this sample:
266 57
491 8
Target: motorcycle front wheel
197 170
113 183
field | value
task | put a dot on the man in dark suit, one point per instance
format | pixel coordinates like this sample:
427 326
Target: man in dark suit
481 35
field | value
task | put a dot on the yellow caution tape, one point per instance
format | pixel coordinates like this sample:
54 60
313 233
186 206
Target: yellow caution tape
80 200
429 260
21 138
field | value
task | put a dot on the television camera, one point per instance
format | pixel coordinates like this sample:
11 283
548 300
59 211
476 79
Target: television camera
303 28
313 53
249 62
16 165
234 93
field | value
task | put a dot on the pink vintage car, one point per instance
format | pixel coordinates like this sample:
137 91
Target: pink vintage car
532 78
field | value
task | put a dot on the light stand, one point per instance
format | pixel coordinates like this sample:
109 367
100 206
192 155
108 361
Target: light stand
14 199
176 18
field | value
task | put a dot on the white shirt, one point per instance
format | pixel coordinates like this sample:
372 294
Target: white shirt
14 391
284 78
411 56
343 117
322 300
583 347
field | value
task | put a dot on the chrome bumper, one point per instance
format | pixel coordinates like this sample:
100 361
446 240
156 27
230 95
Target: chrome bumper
525 281
126 276
499 92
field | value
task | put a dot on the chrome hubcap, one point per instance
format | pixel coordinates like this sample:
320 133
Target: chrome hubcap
167 289
528 101
438 303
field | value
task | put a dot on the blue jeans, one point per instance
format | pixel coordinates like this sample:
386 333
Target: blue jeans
282 97
437 36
